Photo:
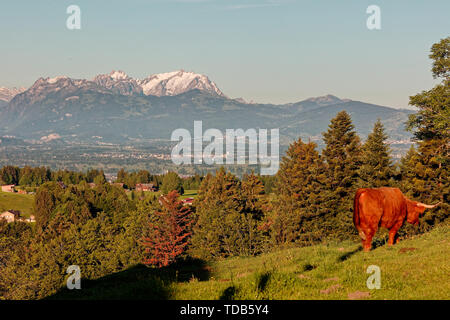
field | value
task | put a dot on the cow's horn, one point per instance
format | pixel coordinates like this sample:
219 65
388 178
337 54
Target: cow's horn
428 206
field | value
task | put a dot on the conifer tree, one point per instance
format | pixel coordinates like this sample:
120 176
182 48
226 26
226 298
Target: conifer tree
172 181
229 214
217 205
169 232
342 156
121 176
376 165
253 194
298 206
408 171
254 212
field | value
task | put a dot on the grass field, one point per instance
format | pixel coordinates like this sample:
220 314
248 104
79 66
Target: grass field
189 194
416 268
186 194
15 201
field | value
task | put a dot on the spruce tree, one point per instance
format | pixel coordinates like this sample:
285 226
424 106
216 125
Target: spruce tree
298 207
228 216
408 171
254 213
218 200
376 165
169 232
342 156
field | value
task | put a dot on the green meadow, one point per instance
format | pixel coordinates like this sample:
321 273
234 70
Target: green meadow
186 194
15 201
189 194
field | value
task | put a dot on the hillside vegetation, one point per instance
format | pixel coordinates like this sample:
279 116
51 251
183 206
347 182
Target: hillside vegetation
416 268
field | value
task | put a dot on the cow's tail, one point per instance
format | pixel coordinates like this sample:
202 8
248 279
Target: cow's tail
356 217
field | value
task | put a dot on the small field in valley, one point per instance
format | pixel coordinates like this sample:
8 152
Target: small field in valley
15 201
189 194
185 195
416 268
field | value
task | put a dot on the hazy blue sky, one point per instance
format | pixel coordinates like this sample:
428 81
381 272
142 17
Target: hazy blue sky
267 51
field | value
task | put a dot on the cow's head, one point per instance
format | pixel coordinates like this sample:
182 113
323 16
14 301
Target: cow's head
415 209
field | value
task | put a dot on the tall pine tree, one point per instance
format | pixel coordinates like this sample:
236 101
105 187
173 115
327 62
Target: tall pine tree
298 210
342 156
229 213
169 233
376 165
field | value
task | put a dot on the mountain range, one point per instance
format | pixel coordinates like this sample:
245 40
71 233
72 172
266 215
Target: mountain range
116 108
6 94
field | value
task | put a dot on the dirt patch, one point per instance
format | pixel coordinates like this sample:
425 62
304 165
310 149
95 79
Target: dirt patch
403 250
302 276
241 275
331 289
341 249
223 280
358 295
331 279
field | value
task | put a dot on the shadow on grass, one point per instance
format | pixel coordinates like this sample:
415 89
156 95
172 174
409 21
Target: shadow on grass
347 255
137 283
262 281
379 242
309 267
228 293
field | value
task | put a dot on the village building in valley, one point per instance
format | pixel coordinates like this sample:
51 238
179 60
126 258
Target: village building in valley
15 215
8 188
145 187
10 215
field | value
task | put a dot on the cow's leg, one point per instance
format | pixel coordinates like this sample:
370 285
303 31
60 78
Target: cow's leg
367 243
393 233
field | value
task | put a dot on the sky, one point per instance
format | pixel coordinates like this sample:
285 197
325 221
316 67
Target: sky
268 51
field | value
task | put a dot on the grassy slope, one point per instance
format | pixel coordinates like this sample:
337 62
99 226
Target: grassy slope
302 273
15 201
299 273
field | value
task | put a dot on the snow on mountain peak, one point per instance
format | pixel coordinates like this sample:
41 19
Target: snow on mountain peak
118 82
6 94
177 82
161 84
119 75
54 80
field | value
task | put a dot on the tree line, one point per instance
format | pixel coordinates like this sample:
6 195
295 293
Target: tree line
35 177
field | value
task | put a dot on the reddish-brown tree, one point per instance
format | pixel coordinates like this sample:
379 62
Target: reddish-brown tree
169 232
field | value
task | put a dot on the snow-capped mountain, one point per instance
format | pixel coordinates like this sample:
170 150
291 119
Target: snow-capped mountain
177 82
161 84
119 82
6 94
